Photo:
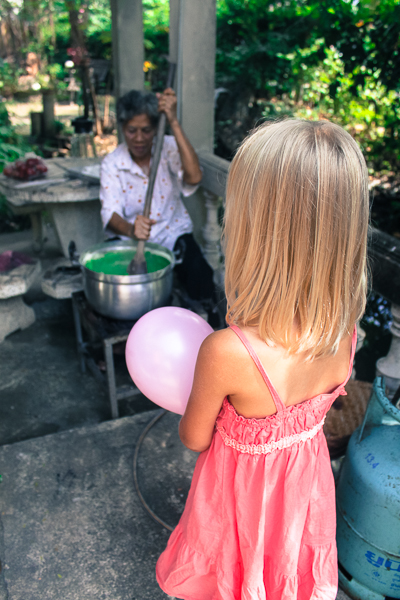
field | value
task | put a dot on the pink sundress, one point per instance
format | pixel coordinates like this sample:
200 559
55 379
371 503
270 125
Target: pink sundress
260 520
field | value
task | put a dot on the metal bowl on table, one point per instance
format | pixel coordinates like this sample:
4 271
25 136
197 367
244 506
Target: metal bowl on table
126 297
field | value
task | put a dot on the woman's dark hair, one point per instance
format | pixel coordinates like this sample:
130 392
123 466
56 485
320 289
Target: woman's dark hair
137 103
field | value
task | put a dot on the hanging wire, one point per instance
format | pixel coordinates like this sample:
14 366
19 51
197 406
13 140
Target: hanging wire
145 431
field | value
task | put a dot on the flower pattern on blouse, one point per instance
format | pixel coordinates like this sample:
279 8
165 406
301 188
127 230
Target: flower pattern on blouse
123 187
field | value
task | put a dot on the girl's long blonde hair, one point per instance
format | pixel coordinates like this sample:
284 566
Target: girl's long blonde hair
295 235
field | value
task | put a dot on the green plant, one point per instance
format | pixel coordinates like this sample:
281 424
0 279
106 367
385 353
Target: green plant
368 110
9 74
58 126
12 145
4 118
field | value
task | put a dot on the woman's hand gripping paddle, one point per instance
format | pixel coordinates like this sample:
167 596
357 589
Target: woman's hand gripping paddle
138 266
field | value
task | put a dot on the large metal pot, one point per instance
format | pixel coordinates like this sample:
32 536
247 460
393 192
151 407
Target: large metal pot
126 296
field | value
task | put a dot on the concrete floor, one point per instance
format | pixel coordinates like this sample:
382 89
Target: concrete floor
41 386
72 526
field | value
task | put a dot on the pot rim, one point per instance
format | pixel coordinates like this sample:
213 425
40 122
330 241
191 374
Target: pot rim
126 279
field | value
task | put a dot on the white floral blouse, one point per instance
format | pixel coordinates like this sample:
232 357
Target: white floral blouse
123 190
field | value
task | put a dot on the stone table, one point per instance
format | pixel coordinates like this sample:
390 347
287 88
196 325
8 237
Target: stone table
73 204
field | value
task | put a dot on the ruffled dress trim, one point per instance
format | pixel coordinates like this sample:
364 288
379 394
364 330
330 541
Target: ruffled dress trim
280 444
279 430
296 410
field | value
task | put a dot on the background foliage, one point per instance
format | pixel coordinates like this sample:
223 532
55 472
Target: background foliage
12 145
335 59
330 59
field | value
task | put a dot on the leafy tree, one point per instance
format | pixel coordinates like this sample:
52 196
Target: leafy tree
333 59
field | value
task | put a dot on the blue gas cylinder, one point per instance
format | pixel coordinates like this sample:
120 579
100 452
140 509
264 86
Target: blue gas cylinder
368 504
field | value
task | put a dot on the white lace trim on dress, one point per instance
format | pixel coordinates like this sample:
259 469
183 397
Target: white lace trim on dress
284 442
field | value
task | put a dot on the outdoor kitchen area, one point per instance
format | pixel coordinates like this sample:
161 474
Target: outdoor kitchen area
93 475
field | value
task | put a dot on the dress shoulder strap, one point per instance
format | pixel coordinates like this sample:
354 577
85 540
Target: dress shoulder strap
275 396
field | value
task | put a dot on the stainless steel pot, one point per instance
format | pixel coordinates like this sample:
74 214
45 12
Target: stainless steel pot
126 296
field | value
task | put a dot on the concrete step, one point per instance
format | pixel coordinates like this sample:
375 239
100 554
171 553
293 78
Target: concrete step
72 526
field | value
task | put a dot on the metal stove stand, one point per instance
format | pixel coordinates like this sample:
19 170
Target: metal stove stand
101 332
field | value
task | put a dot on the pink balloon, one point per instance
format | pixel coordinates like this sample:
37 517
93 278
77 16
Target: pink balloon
161 353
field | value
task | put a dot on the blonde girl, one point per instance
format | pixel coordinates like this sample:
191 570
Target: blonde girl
259 522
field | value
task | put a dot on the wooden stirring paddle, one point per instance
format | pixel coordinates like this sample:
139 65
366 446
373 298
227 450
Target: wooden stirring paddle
138 266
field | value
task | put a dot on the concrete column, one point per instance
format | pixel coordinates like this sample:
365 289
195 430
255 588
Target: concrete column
196 69
174 16
212 232
127 45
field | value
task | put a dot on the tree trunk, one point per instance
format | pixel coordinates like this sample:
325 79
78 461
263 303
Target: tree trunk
14 43
52 26
78 42
30 14
85 92
106 110
95 104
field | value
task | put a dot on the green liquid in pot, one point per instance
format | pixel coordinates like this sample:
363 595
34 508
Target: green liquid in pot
116 263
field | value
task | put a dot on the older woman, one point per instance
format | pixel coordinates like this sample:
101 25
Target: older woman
124 177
